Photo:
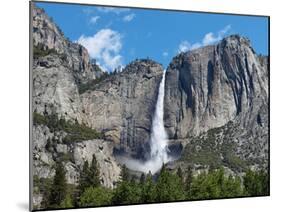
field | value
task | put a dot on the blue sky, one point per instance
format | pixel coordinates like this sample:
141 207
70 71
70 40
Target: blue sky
116 36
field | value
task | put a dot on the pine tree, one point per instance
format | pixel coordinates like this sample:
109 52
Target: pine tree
95 197
133 180
59 187
149 174
124 173
188 181
148 190
169 186
127 193
94 172
142 179
83 182
215 185
256 183
180 174
90 175
67 202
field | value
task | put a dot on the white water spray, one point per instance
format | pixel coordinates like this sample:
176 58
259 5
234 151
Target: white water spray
158 139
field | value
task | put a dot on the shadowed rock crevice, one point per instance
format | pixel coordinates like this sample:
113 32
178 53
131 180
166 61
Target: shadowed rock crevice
210 77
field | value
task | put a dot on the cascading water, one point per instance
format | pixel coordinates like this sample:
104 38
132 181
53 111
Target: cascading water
158 138
158 141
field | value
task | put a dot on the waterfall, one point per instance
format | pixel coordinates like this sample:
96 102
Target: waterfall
158 139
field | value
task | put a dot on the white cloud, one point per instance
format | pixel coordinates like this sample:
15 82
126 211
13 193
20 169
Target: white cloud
224 30
115 10
105 47
184 46
165 54
209 38
195 46
94 19
128 18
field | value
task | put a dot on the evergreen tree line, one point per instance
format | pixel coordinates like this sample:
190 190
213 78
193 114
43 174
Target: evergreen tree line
165 187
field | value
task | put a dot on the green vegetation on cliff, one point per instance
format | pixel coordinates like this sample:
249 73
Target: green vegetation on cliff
41 51
92 84
75 132
215 149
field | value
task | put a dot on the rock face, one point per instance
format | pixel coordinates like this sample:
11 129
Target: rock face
41 156
208 87
47 34
109 168
58 67
122 106
48 147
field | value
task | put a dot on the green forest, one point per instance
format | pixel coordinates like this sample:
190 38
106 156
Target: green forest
166 186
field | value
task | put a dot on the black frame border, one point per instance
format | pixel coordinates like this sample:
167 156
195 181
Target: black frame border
131 7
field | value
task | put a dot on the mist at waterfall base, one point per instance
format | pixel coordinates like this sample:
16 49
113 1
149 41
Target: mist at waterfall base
158 139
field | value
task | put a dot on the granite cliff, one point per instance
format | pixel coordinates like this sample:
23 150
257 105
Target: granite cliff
212 85
223 86
58 67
